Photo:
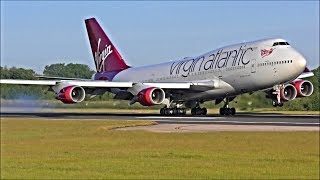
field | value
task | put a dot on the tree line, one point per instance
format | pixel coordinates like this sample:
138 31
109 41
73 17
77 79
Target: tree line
256 100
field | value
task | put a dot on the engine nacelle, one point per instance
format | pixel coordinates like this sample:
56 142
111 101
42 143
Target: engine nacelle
71 94
288 92
304 88
151 96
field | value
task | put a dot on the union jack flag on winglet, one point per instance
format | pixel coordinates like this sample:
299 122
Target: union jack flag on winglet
266 52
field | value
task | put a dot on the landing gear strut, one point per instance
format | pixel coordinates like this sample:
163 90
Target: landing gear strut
197 110
226 110
277 102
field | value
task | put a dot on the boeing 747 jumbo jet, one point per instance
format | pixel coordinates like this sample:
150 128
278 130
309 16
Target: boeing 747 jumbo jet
270 65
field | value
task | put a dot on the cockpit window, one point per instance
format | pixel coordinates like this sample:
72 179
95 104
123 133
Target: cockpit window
280 43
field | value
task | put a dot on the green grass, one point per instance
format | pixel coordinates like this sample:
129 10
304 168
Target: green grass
61 149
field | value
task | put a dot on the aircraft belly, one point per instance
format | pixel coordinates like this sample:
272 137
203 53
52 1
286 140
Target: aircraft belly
223 90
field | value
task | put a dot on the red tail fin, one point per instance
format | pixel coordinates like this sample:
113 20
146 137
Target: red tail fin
105 54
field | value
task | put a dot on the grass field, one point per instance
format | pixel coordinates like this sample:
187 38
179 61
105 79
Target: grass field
56 149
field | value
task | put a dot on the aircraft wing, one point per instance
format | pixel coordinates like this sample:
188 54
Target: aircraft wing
306 73
112 84
90 83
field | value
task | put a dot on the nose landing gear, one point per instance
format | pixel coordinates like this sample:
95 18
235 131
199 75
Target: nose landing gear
277 101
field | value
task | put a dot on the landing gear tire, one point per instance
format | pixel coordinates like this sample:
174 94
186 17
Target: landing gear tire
193 111
204 111
173 111
275 103
227 111
162 111
199 111
233 111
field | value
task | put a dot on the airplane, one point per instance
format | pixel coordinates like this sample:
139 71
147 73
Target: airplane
269 65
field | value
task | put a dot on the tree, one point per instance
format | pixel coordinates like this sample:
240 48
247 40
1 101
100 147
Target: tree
9 91
17 73
70 70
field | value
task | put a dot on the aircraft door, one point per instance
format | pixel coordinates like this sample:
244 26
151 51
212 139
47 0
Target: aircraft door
253 66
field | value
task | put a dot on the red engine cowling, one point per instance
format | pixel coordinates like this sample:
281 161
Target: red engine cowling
288 92
304 88
151 96
71 94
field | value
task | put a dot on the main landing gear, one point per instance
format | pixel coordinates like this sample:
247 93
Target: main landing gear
199 111
226 110
179 109
173 111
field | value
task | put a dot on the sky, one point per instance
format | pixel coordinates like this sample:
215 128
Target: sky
39 33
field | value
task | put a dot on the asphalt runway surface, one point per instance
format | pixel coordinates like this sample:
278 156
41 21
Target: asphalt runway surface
239 119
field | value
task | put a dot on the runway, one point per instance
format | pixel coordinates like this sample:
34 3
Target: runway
239 119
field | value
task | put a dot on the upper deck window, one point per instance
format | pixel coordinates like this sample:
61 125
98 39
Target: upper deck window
280 43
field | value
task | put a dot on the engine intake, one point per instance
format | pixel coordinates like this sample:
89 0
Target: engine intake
288 92
71 94
304 88
151 96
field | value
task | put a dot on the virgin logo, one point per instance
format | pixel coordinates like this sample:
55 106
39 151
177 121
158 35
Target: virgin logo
266 52
100 58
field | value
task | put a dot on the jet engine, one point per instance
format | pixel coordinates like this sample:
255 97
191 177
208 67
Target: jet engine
288 92
304 88
71 94
151 96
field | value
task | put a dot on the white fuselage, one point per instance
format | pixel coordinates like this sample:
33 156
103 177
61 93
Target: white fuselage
239 68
